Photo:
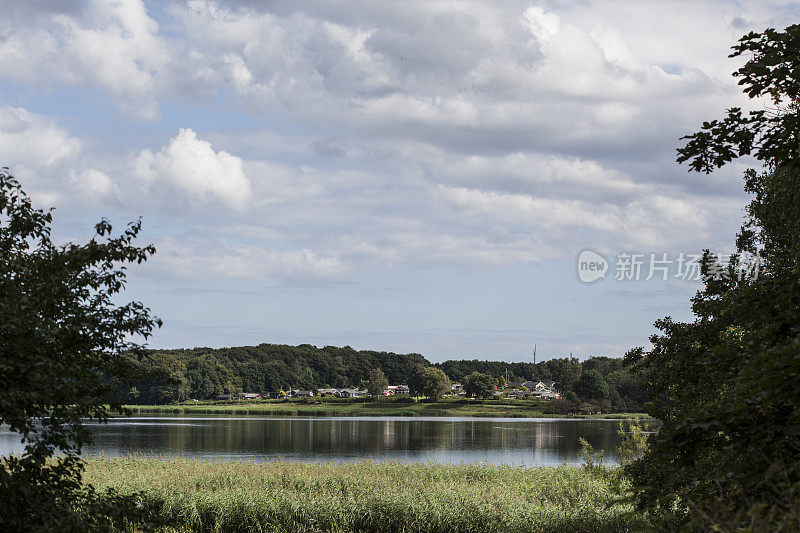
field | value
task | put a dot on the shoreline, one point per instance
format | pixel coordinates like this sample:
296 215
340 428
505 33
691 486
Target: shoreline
448 409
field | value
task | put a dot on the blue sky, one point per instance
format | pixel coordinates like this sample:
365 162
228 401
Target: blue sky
408 176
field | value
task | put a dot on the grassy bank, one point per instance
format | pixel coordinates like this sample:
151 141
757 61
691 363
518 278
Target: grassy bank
466 408
365 496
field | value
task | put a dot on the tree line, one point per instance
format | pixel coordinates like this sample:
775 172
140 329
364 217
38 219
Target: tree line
596 384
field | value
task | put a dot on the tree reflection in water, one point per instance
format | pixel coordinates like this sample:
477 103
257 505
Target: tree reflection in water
442 440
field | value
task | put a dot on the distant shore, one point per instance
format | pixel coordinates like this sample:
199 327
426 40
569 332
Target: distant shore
448 408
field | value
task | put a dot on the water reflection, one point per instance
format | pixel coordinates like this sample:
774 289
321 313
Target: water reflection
441 440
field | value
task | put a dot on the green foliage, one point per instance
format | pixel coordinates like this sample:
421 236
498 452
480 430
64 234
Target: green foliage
593 460
366 496
479 385
591 386
633 441
65 352
778 510
770 135
377 382
727 385
429 381
625 391
203 373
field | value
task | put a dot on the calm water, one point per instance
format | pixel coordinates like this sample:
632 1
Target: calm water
430 439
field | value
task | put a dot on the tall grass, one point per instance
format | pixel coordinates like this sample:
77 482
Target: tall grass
368 496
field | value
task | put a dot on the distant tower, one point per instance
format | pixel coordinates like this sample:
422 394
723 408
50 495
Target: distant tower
534 354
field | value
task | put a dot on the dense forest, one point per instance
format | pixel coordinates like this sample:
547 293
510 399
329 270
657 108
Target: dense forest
203 373
602 382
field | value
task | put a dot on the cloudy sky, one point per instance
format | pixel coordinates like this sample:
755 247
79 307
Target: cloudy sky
409 176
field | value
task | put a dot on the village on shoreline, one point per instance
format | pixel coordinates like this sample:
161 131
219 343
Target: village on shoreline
517 390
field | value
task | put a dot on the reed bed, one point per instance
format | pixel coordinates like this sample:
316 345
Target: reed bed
280 496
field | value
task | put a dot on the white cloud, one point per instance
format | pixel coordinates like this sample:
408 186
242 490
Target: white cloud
93 183
544 175
38 152
358 141
113 45
200 257
545 214
450 73
541 23
31 140
192 166
468 133
482 66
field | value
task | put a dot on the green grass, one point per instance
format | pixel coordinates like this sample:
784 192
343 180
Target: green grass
335 407
367 496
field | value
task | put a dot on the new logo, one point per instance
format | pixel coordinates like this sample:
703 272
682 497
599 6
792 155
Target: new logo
591 266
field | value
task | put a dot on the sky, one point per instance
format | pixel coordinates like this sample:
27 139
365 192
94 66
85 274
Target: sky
416 176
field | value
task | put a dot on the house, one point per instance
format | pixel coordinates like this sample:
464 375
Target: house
303 394
327 392
551 395
224 397
251 395
545 385
547 394
348 393
456 388
533 385
397 389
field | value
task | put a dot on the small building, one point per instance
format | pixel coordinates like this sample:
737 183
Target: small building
550 395
397 389
303 393
224 397
533 385
348 393
327 392
251 395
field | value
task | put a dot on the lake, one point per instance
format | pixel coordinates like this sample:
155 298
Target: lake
512 441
